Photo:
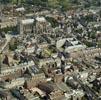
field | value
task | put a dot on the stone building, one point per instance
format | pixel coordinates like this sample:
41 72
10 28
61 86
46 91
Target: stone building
37 25
42 26
25 26
36 79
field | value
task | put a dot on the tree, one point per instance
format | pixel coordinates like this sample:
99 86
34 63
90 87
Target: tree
4 1
6 60
65 4
74 1
53 3
18 1
13 44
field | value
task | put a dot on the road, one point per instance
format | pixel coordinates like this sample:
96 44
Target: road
8 38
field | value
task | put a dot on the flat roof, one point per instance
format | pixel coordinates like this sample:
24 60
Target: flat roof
41 19
27 21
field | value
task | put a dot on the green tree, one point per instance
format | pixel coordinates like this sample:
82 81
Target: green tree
13 44
18 1
53 3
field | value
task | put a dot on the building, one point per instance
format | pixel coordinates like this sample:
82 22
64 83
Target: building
25 26
70 44
42 26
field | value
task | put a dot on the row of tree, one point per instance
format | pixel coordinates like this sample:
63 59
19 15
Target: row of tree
12 1
22 1
55 3
52 1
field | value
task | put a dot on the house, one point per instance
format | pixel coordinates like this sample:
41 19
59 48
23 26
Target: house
14 83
